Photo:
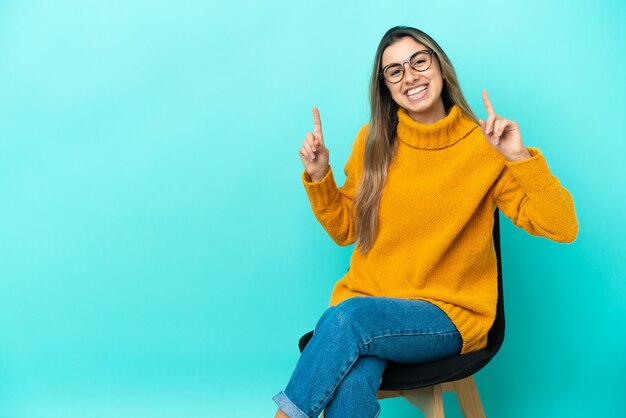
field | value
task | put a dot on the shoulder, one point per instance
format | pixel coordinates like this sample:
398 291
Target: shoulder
362 134
480 147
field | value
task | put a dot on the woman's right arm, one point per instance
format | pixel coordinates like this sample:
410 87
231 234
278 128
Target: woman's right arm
332 205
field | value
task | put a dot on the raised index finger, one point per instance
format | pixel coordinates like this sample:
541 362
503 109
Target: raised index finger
488 105
317 122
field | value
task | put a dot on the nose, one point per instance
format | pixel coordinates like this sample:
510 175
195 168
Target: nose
409 73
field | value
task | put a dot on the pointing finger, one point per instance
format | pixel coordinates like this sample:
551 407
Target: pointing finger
488 105
317 123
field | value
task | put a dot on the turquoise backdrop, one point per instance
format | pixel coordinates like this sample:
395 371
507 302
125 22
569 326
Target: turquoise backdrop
158 254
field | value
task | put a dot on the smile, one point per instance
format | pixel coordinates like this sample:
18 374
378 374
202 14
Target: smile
417 92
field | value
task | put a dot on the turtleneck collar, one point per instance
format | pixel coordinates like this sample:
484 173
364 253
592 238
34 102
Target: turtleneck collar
441 134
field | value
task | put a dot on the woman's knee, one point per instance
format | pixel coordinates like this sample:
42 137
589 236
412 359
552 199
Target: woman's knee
345 322
351 310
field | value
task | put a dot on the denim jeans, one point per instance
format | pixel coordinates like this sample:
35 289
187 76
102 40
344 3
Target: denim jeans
341 368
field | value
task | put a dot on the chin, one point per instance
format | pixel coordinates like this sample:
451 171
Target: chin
419 107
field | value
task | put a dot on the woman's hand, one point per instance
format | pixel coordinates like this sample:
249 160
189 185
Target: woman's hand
503 134
314 153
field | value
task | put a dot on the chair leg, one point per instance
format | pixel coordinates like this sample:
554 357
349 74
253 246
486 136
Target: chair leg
468 397
429 400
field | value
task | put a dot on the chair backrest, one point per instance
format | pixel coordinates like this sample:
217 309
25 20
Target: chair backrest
496 333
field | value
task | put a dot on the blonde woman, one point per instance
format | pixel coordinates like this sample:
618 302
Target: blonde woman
422 183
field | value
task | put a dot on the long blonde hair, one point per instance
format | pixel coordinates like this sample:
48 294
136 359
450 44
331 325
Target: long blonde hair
380 140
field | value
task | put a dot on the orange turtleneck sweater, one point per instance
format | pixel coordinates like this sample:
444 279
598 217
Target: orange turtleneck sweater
435 219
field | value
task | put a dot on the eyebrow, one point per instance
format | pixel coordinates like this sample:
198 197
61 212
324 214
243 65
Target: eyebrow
397 62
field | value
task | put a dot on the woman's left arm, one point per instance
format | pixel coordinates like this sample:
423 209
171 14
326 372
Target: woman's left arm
526 190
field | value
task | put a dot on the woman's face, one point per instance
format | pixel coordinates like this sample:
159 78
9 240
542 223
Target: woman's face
418 92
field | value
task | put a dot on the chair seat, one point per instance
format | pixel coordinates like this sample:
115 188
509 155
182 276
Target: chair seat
399 376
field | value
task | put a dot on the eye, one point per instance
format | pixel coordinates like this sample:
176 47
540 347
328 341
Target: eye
420 61
393 71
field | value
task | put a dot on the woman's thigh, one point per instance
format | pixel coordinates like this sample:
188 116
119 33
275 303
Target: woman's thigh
401 330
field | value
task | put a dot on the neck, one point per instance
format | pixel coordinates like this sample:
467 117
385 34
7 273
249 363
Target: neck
443 133
433 115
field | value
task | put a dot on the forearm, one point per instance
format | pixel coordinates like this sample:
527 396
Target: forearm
536 201
331 206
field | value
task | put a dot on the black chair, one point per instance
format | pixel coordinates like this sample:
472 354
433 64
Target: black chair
423 384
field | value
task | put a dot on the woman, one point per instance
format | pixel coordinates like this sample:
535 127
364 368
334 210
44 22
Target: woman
422 183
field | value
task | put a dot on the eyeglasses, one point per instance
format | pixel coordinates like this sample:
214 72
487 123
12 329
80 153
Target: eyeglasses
420 61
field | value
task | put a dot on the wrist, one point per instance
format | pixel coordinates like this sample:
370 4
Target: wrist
520 156
316 177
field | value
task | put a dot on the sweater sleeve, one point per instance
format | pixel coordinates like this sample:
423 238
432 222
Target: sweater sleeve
332 205
528 194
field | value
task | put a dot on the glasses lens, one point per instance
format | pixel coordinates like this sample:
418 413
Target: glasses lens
393 73
420 61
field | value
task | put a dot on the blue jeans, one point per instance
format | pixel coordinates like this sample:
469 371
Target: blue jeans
341 368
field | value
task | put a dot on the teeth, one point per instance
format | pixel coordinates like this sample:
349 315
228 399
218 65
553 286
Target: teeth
416 90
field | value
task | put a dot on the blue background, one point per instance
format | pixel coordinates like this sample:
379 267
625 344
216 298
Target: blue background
159 257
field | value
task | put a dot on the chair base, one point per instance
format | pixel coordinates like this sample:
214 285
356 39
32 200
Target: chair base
430 400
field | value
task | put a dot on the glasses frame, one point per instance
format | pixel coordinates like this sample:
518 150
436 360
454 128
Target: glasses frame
408 61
